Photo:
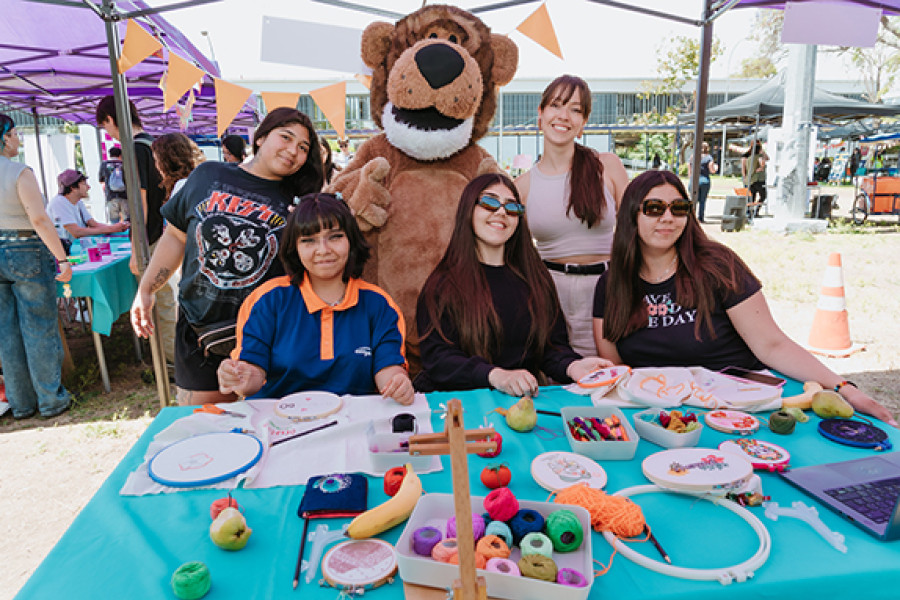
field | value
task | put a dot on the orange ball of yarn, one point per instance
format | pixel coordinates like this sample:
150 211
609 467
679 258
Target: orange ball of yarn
447 551
492 546
393 479
616 514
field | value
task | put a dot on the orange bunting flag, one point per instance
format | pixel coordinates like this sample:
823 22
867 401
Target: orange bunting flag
275 100
332 101
180 77
366 80
539 28
137 47
230 98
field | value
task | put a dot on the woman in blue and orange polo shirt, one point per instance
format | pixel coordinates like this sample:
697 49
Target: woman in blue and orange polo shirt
319 327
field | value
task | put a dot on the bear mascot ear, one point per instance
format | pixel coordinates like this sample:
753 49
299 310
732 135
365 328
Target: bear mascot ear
506 59
376 42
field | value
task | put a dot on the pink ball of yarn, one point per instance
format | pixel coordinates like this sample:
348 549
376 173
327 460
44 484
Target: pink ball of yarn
477 527
446 551
501 504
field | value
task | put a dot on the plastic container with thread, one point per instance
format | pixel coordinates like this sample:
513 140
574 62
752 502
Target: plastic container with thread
655 433
434 510
601 449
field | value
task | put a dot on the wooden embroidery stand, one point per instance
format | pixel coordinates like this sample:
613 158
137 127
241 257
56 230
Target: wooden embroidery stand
457 442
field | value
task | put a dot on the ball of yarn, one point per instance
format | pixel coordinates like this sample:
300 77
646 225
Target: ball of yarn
424 539
501 504
221 504
571 578
392 480
537 566
536 543
501 530
191 580
492 546
504 566
564 530
616 514
526 521
446 551
477 527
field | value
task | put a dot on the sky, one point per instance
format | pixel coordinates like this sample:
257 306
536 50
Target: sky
597 41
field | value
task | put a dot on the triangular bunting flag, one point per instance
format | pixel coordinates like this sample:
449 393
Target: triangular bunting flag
332 100
366 80
180 77
275 100
230 98
540 29
137 47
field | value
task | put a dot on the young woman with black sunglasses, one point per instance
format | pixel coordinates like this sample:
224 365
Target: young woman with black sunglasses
488 315
674 297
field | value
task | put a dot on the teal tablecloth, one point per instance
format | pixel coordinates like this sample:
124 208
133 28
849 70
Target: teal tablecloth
128 547
109 284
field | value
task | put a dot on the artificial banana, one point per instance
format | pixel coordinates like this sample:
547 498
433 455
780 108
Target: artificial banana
390 513
802 401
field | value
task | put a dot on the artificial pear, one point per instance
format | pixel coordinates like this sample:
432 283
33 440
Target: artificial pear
831 405
229 530
522 416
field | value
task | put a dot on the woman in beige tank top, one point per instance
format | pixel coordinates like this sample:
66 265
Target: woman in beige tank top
572 212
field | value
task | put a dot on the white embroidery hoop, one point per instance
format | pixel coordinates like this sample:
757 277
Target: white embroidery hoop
700 470
570 468
740 572
308 406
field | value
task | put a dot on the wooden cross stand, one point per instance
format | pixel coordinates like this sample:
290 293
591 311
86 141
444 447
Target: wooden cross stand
457 442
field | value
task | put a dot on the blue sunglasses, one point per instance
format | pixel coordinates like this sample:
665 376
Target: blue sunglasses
493 204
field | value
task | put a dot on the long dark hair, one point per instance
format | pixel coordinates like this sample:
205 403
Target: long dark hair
314 213
308 179
175 154
458 288
6 125
705 267
586 198
328 166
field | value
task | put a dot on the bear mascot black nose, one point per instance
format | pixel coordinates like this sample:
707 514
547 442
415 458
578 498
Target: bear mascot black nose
439 64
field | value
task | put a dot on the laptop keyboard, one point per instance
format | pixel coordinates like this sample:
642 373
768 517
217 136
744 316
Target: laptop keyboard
875 500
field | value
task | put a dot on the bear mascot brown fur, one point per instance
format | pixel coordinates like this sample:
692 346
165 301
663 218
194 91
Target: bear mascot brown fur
433 93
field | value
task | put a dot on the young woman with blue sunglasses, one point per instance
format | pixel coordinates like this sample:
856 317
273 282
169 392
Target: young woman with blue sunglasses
488 315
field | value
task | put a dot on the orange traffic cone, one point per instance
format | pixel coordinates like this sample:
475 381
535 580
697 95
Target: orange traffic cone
830 335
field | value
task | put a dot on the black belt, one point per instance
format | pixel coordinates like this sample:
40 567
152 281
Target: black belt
573 269
17 233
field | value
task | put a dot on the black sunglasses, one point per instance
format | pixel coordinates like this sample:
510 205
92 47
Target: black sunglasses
493 204
654 207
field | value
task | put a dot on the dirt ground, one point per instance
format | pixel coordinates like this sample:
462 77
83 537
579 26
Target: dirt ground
49 469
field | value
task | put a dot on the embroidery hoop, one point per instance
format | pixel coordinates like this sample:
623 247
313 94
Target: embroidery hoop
740 572
706 471
204 459
734 422
777 463
308 406
607 377
349 565
855 433
551 481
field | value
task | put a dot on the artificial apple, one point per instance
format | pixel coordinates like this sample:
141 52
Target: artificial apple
229 531
496 476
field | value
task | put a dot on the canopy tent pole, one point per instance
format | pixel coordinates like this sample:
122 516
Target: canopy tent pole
139 246
706 38
37 138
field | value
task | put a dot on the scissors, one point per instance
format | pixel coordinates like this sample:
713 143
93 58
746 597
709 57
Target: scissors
212 409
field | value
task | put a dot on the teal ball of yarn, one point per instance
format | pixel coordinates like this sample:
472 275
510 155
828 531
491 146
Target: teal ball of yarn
536 543
191 581
501 530
564 530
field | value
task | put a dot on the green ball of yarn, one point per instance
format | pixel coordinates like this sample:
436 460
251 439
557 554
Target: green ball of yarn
564 530
537 566
191 580
536 544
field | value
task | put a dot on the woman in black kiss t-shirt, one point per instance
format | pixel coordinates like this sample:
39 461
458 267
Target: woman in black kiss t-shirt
224 229
673 297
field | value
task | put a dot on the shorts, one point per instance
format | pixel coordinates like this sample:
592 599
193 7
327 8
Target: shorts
193 371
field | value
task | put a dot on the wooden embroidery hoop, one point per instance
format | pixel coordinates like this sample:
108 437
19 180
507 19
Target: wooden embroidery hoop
308 406
363 575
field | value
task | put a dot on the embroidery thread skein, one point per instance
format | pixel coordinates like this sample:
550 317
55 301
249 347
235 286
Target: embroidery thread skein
564 530
618 515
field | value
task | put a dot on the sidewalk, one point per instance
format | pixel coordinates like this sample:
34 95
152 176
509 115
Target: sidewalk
725 186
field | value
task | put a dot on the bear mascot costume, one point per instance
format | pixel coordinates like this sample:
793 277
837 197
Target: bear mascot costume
433 93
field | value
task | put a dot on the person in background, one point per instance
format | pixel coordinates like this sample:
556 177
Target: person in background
328 167
224 228
657 161
69 213
31 348
708 167
753 172
323 253
175 156
488 315
234 149
674 297
152 198
343 158
572 194
112 178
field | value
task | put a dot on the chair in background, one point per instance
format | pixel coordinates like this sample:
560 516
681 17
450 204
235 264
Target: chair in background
734 215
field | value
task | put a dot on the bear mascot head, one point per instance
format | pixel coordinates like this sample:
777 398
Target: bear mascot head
435 75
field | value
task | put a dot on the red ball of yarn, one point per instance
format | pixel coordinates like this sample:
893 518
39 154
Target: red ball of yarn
393 479
501 504
221 504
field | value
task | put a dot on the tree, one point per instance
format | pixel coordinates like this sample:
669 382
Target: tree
770 52
879 66
679 63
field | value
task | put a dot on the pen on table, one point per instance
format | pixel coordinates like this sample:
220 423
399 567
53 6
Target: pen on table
300 553
307 432
548 412
656 544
